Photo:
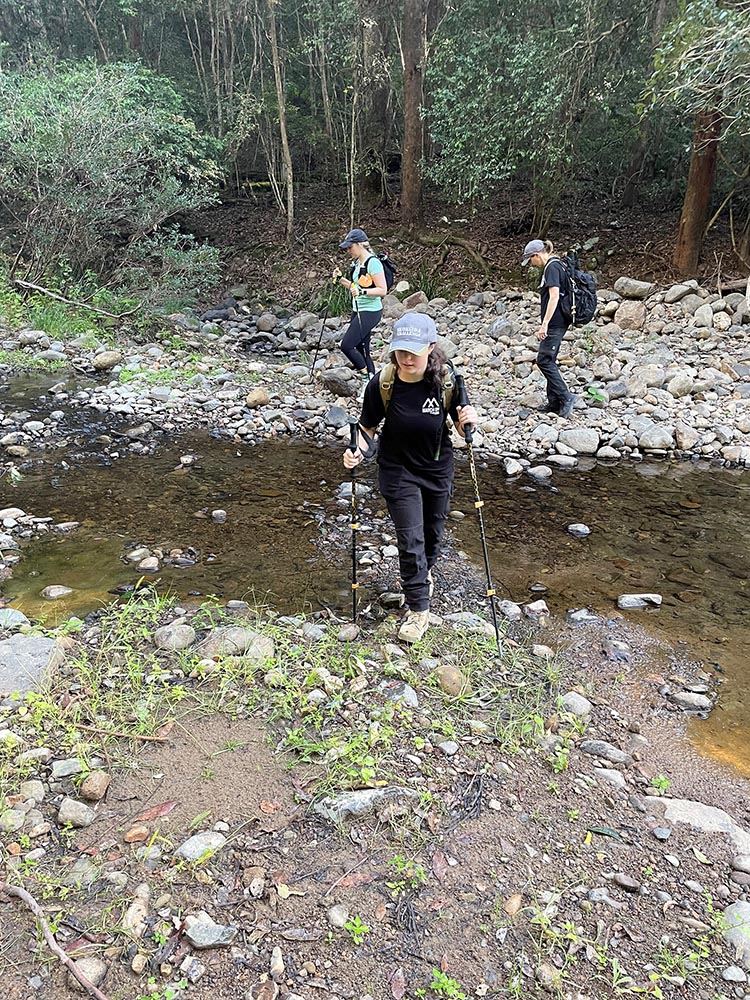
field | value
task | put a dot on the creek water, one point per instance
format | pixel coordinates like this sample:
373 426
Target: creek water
678 530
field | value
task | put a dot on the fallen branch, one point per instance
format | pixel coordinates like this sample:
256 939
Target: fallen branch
125 736
49 937
732 286
456 241
73 302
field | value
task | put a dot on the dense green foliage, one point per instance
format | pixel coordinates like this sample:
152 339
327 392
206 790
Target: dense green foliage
115 114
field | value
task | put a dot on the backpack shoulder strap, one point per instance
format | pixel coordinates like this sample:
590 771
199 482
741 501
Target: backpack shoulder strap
449 383
385 382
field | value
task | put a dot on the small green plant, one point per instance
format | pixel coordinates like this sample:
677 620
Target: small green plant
158 992
444 986
596 394
358 930
660 783
559 759
407 875
573 815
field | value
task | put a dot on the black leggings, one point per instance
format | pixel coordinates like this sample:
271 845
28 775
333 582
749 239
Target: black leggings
557 391
356 342
419 515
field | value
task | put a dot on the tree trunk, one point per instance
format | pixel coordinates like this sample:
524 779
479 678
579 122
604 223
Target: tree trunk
700 184
413 43
286 152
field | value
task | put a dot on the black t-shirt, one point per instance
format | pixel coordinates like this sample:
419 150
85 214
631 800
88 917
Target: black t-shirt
555 275
415 436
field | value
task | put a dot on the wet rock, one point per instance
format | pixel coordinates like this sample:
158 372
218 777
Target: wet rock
149 565
107 360
75 813
236 640
200 845
348 805
174 636
600 748
690 701
93 968
578 530
451 680
630 602
203 933
576 704
55 592
539 472
95 785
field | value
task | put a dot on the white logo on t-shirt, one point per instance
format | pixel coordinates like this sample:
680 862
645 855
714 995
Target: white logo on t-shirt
432 407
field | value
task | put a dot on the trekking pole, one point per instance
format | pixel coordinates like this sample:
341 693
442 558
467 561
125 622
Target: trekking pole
462 399
322 331
353 444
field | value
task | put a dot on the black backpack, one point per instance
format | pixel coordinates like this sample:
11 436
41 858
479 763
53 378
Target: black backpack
389 268
580 306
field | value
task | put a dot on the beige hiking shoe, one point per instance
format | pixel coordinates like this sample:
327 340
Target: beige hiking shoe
414 626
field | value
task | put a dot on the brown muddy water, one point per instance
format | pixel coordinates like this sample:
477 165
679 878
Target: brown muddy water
678 530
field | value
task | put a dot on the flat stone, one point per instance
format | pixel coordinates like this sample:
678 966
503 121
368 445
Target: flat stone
690 701
707 819
611 776
203 933
662 832
26 661
201 844
75 813
348 805
33 789
627 883
11 820
736 930
631 602
66 768
734 975
448 747
399 693
600 748
81 875
174 637
236 640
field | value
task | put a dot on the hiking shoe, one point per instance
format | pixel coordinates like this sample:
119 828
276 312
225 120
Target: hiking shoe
414 626
547 408
567 409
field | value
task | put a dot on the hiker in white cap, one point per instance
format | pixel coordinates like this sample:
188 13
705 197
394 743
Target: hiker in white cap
554 287
412 397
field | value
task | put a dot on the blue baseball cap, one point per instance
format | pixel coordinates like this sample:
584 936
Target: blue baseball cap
414 333
353 236
535 246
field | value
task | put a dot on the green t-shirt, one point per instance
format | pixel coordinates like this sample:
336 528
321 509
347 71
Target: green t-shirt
368 303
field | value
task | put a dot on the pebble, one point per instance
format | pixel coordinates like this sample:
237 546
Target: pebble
75 813
201 844
734 974
338 916
627 883
66 768
662 832
576 704
94 786
600 748
579 530
448 747
203 933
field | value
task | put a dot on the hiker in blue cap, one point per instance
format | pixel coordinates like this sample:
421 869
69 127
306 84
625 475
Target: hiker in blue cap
367 284
413 396
555 294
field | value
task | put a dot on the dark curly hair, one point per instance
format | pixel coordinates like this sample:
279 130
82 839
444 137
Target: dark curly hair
436 364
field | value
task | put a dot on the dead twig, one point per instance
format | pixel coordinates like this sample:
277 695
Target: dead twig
30 286
49 937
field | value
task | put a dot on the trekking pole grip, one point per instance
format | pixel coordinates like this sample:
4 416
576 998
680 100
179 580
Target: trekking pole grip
462 399
353 443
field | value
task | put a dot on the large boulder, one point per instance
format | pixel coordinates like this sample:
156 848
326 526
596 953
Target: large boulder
342 381
631 288
630 315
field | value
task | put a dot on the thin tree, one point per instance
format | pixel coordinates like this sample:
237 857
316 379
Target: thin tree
413 52
281 100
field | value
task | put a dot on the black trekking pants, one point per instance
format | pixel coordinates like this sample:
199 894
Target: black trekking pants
557 391
419 514
356 342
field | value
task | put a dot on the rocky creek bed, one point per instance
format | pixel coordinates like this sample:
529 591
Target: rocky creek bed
220 801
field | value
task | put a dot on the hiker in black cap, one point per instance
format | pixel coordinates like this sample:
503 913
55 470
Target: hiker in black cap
367 285
413 395
554 287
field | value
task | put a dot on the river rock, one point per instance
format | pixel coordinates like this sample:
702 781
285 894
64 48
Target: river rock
540 472
707 819
656 438
26 661
54 592
92 968
736 930
691 701
203 933
267 322
631 602
75 813
607 751
257 397
512 467
583 440
342 381
703 317
576 704
675 293
10 618
200 845
236 640
174 636
631 315
95 785
347 805
631 288
451 680
681 384
741 863
610 776
107 360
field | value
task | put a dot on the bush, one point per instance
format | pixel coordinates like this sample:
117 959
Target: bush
94 160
